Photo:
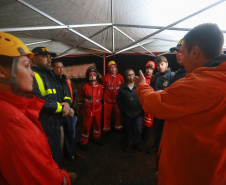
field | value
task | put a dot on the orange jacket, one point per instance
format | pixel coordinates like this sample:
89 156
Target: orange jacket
25 156
193 145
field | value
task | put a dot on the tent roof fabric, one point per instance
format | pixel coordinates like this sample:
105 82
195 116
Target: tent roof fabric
107 26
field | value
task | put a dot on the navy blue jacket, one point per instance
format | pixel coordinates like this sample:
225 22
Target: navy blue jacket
160 81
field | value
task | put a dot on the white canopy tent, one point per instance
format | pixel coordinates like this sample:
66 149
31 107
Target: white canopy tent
107 26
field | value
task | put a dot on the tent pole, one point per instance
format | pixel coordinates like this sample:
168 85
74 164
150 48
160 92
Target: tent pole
84 41
60 23
169 26
113 30
134 41
104 64
52 27
44 41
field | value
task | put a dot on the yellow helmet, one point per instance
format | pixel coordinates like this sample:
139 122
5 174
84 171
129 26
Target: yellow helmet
111 63
12 46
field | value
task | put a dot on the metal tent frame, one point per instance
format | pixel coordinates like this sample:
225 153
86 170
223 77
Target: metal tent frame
112 25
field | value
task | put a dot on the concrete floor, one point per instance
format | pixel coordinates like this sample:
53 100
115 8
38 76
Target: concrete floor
110 165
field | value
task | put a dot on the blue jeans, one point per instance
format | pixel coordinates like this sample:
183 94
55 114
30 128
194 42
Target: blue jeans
73 121
69 135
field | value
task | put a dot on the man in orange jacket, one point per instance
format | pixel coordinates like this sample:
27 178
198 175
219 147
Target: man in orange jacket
192 149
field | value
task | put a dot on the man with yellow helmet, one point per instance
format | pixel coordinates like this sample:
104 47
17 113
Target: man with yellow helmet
111 83
25 152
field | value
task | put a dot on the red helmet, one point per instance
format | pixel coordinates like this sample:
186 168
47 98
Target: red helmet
150 64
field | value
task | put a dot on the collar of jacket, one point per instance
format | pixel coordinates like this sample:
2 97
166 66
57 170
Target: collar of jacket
36 68
91 84
29 105
56 75
167 71
126 86
216 61
149 77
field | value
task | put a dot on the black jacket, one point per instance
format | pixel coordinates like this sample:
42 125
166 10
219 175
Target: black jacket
160 81
128 101
180 73
46 87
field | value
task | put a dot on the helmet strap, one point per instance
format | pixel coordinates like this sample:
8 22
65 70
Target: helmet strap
13 81
14 70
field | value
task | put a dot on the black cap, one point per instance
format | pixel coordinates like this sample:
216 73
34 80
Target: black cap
43 51
179 45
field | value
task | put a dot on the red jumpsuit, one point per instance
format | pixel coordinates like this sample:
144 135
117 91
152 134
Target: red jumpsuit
25 155
91 96
148 119
111 84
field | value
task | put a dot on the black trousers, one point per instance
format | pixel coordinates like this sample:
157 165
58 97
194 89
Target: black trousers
158 129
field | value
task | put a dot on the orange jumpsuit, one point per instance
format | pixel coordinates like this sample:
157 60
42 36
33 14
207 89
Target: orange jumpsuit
193 145
111 84
91 96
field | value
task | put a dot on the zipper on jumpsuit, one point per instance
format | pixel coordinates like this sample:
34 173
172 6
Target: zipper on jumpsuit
92 103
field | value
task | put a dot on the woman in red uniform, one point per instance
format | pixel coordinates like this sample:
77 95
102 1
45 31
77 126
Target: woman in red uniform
25 155
91 96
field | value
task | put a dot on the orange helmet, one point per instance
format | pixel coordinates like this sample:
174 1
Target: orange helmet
150 64
12 46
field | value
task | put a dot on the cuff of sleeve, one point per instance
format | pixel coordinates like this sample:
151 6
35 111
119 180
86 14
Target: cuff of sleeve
59 108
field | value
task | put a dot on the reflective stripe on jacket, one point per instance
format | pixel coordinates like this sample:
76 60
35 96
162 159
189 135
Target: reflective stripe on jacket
43 87
91 95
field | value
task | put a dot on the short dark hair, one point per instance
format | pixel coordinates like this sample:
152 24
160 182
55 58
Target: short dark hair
53 63
208 37
6 61
126 72
161 59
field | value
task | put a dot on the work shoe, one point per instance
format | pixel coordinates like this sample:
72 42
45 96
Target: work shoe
98 141
138 147
72 175
152 150
83 147
78 155
127 148
145 136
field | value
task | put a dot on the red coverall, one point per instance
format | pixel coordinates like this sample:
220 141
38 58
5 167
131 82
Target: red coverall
111 84
91 96
25 156
148 119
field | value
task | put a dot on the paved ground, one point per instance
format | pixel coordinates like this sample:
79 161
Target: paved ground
110 165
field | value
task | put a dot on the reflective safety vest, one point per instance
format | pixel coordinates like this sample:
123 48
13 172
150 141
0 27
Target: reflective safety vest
68 80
